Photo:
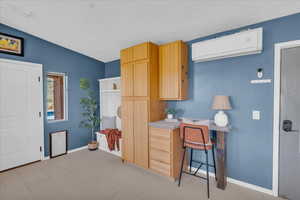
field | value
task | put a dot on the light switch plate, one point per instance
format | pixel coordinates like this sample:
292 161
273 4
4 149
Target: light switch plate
256 115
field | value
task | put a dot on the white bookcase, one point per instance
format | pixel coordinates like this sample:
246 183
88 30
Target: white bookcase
110 100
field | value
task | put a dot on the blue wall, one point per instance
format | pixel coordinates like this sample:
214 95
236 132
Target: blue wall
112 69
249 144
58 59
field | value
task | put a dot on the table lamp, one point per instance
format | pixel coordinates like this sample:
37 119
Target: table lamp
221 103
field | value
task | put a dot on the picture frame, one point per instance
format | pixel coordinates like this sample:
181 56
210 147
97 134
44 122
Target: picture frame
12 45
57 149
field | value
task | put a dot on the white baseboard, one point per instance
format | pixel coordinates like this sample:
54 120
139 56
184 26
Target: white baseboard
46 158
70 151
77 149
240 183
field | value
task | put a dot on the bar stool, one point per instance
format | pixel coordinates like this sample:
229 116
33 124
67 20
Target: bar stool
197 137
214 143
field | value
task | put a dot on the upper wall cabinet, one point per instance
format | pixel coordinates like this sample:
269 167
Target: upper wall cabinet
139 71
127 79
173 71
140 52
126 55
135 53
140 79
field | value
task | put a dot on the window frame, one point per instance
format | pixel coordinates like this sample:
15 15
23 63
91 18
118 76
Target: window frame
65 87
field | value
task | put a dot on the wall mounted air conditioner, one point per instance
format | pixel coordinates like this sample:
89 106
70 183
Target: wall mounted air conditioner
238 44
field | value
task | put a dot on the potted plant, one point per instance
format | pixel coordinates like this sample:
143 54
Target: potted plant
89 105
171 112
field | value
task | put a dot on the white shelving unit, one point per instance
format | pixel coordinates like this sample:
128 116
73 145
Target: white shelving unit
111 91
110 100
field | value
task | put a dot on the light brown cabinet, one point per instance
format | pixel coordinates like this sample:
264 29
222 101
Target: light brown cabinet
173 71
135 79
140 77
165 151
127 79
136 53
126 55
141 132
127 130
140 100
141 51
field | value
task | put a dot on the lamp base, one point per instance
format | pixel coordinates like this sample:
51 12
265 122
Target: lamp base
221 119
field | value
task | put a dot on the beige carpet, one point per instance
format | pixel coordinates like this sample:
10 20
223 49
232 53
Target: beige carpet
97 175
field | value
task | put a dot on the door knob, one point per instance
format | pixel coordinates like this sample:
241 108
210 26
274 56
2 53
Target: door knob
287 126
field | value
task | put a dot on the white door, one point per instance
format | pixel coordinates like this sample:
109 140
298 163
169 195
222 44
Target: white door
21 116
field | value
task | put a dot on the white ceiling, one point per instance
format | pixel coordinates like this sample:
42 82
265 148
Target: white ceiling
100 28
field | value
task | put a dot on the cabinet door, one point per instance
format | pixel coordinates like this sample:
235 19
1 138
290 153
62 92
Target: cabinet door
184 82
141 133
135 53
127 131
140 51
126 55
141 73
169 71
127 79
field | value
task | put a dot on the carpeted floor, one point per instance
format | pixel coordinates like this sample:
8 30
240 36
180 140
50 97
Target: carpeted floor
85 175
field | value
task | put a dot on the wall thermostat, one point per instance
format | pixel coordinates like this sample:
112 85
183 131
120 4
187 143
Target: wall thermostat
260 73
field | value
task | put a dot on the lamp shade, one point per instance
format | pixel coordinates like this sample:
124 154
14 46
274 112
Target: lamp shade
221 103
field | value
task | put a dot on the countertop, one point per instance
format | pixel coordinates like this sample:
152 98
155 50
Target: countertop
165 124
173 125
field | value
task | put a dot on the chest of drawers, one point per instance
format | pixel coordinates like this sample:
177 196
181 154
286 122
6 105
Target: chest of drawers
165 151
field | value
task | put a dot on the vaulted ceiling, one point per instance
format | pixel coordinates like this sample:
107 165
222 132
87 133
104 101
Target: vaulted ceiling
100 28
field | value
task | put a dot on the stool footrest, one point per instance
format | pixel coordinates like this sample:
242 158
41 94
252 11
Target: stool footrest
202 163
192 174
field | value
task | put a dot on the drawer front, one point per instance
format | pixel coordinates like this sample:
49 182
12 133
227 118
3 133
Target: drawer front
161 133
160 167
160 144
161 156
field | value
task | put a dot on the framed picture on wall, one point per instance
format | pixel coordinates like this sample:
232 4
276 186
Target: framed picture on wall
11 45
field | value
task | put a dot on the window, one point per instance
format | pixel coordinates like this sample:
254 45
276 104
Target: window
56 97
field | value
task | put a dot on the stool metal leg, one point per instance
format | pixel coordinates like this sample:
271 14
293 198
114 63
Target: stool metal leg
183 156
191 160
207 175
214 160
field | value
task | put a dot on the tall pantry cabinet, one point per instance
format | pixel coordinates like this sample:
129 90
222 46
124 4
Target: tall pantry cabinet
140 100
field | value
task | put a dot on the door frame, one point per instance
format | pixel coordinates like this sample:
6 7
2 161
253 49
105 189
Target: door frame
276 115
42 92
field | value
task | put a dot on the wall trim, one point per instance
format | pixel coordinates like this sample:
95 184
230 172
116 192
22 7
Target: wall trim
70 151
239 183
276 116
77 149
21 62
46 158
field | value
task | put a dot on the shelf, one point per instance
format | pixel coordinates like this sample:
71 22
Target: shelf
260 81
109 79
110 91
